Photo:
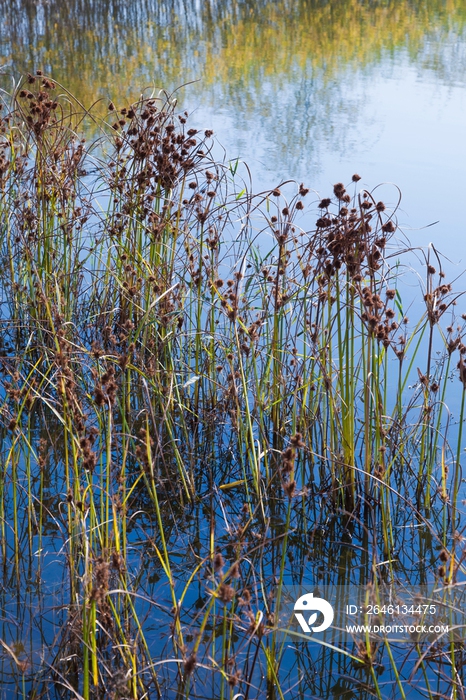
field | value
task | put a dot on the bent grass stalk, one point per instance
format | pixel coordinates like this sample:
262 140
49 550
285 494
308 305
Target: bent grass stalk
174 343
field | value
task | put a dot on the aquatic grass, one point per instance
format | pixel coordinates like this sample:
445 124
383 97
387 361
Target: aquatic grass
203 392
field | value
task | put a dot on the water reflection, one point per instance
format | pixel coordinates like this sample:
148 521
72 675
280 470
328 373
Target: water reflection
283 73
285 76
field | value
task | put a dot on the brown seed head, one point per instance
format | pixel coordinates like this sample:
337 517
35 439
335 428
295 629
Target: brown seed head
443 556
303 191
219 562
324 203
289 488
226 593
190 664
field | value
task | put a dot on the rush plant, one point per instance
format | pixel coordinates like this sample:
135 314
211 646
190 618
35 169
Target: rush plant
203 391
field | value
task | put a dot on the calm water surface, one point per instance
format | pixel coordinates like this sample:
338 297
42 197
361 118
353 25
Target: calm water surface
307 90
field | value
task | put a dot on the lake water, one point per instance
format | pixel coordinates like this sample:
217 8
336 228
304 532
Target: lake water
306 90
311 91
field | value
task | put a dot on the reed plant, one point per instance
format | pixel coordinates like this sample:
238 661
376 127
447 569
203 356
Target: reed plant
202 395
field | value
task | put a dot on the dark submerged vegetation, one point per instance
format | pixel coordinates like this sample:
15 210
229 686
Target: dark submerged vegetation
189 423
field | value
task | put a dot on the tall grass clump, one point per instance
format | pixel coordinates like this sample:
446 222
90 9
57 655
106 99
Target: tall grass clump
206 398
